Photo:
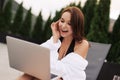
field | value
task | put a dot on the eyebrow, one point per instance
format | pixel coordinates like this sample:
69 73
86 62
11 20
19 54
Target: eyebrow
64 19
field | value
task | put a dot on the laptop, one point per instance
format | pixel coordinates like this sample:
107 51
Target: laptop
29 58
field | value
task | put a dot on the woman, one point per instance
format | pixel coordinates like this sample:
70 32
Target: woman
68 46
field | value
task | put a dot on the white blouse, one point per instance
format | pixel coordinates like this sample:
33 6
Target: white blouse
71 67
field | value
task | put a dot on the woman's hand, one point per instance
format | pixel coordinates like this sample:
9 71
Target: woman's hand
59 79
55 31
27 77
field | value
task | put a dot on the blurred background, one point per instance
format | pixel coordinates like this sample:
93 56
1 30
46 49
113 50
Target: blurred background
30 20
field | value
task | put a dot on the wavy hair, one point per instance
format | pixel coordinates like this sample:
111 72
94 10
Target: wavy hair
77 22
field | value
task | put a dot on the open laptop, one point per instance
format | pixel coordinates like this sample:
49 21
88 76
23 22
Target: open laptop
29 58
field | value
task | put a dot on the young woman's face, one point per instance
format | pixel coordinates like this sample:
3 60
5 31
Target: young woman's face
65 25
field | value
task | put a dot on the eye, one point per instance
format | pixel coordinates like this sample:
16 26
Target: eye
62 20
69 23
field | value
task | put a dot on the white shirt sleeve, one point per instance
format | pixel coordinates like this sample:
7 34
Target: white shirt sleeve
71 67
50 45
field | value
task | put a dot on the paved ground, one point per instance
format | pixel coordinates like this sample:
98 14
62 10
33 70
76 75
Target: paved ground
6 73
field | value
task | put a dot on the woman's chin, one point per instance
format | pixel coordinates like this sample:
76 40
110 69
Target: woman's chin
63 35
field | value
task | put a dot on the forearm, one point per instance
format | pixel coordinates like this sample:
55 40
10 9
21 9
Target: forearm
55 39
50 44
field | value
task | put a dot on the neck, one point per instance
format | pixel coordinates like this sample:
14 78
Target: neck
68 39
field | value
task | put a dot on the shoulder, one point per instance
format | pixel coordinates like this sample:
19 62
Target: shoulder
84 43
81 48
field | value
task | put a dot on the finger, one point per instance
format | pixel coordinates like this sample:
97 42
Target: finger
57 22
53 23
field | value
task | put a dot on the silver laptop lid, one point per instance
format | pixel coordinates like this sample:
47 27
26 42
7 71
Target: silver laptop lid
29 58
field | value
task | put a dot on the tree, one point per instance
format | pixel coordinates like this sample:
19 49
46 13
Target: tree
7 15
116 31
57 15
104 11
79 5
2 23
98 32
17 22
114 53
1 4
26 26
89 10
37 33
47 30
72 4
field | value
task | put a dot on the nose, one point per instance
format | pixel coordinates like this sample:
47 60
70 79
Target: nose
64 25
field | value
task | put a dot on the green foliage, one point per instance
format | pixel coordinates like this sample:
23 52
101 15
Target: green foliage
72 4
57 15
104 10
1 5
79 5
7 12
5 17
89 10
47 29
2 23
26 26
116 31
17 21
37 32
96 25
114 53
98 32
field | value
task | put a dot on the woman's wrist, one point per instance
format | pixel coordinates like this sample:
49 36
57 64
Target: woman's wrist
55 39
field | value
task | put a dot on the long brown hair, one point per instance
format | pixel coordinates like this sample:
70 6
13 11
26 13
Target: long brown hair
77 22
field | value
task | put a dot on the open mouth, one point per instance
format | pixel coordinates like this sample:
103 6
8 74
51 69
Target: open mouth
64 30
